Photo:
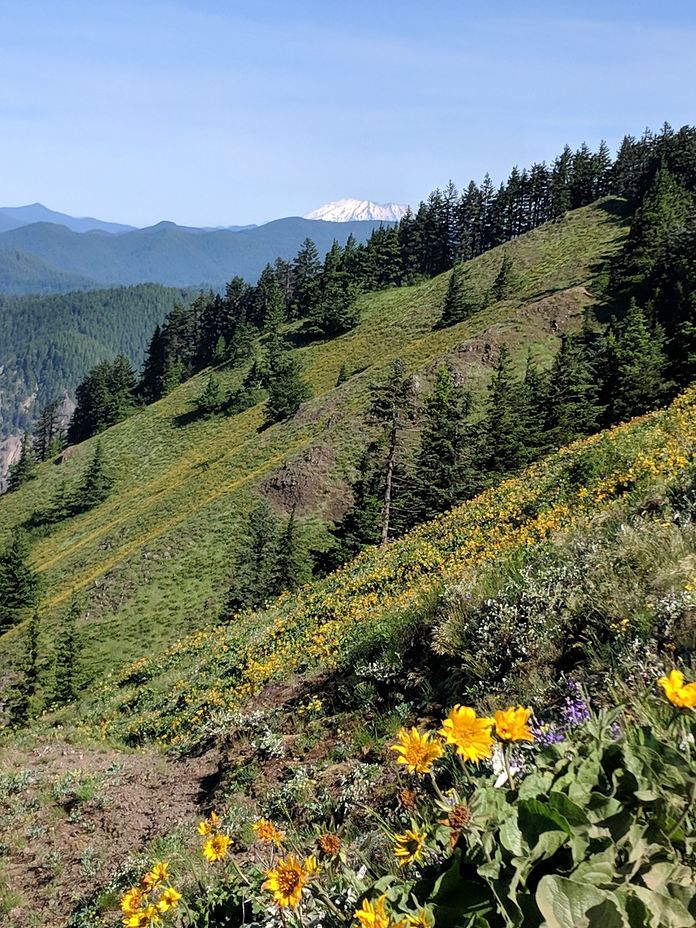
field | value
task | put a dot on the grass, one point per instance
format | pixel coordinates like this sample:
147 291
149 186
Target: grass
152 563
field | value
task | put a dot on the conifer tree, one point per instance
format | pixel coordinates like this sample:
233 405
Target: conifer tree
573 402
210 400
305 272
503 283
253 580
48 434
292 566
504 438
361 524
96 484
459 302
342 375
274 314
19 584
23 470
444 472
635 364
533 405
392 408
64 690
22 704
286 388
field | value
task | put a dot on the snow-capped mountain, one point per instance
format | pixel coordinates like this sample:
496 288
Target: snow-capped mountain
349 210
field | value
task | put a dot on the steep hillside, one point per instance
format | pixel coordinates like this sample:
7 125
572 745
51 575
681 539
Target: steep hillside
171 254
48 343
152 563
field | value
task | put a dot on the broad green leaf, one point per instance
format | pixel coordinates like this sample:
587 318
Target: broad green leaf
666 911
567 904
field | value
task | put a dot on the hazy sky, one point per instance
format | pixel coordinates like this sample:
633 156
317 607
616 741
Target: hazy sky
218 112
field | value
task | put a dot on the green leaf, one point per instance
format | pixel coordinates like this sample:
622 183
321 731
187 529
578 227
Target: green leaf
567 904
666 911
571 811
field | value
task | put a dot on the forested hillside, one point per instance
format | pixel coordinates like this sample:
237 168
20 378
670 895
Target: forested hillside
48 343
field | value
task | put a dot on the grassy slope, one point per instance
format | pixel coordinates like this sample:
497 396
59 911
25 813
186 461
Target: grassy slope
152 562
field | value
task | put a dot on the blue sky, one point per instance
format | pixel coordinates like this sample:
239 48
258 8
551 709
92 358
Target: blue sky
219 112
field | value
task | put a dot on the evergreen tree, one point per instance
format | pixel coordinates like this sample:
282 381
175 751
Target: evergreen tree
635 365
210 400
96 484
292 566
305 272
274 314
23 470
19 584
24 691
392 409
504 438
573 401
459 302
342 375
361 524
253 580
64 690
444 471
334 308
286 388
533 405
504 281
48 434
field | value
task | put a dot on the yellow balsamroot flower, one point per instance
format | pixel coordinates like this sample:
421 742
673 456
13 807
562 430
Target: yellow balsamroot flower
513 724
681 695
423 918
156 876
470 734
267 833
131 901
418 752
371 915
209 825
168 900
142 918
409 845
216 847
286 881
311 865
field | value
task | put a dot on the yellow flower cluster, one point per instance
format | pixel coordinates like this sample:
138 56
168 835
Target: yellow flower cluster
143 906
471 735
216 844
267 833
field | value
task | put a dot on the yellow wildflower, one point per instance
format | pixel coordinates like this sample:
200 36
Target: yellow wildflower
143 918
423 918
513 724
209 825
286 882
417 751
169 899
679 694
470 734
373 915
131 901
156 876
216 847
408 846
267 833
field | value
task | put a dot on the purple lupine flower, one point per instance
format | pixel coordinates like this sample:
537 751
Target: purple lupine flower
575 710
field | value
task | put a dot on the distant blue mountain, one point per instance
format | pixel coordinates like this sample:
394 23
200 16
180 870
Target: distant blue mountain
169 254
12 217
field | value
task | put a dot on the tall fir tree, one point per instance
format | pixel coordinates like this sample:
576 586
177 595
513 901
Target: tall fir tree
65 685
504 439
23 470
459 302
573 395
292 567
48 434
286 388
210 400
635 366
444 471
96 483
253 578
504 281
19 583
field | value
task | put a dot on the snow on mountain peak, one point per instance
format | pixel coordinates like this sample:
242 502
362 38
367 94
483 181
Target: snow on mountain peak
349 210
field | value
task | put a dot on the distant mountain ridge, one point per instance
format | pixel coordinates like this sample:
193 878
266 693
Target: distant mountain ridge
164 253
352 210
13 217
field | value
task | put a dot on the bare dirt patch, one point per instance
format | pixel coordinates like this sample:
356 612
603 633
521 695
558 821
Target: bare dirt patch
70 816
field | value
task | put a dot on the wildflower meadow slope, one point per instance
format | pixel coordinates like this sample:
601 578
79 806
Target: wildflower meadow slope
185 692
